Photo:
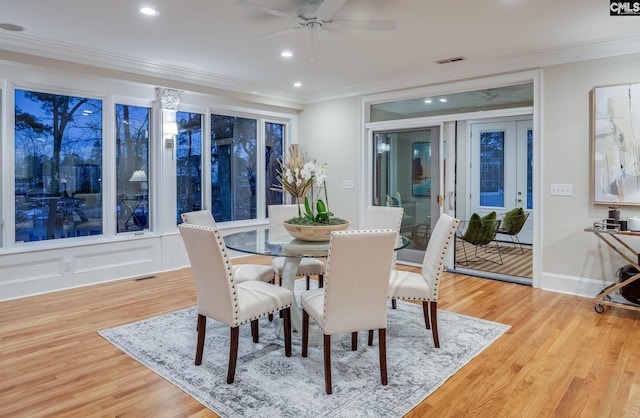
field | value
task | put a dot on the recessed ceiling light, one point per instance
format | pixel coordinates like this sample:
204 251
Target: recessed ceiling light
286 54
442 100
297 84
11 27
149 11
428 101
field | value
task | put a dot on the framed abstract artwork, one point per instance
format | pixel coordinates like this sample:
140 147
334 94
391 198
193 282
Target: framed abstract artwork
615 144
421 169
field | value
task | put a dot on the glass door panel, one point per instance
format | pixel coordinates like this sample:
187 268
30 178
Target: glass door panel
502 169
406 173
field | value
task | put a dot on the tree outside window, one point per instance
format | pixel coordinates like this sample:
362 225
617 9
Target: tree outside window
274 140
492 169
234 161
58 166
188 163
132 167
233 168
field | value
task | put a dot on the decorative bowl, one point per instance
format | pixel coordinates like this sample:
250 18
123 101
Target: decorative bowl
313 232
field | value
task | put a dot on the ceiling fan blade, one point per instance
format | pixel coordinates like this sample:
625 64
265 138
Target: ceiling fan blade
326 39
328 8
274 12
364 24
280 32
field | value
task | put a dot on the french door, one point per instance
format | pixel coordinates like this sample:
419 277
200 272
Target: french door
502 169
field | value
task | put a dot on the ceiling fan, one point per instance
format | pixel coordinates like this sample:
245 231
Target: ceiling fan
317 15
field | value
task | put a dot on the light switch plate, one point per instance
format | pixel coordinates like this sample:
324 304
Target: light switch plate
558 189
347 184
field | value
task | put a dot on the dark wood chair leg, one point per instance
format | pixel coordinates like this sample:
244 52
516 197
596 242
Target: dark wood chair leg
370 339
320 280
327 364
425 311
287 331
393 304
354 341
308 281
202 329
434 323
305 332
254 331
270 317
233 354
382 342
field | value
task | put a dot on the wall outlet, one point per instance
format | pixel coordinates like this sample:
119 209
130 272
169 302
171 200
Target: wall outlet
347 184
68 265
561 190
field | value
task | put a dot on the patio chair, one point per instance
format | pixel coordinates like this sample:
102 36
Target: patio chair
479 233
511 223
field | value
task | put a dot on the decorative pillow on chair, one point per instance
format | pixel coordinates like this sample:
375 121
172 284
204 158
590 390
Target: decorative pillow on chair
481 230
513 221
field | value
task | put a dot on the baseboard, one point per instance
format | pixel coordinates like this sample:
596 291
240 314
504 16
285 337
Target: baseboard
572 285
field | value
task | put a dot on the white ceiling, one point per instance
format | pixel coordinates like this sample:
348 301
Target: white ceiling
218 42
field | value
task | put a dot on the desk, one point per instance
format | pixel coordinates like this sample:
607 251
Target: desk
258 241
609 296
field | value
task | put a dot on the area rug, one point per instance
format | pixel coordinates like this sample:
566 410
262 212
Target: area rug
268 384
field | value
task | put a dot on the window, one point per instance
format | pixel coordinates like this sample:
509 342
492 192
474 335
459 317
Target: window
188 162
492 168
233 168
58 166
235 181
132 167
274 140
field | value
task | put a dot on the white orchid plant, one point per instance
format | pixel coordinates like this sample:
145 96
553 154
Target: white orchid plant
303 178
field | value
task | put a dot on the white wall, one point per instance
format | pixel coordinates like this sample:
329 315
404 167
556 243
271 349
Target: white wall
330 132
573 260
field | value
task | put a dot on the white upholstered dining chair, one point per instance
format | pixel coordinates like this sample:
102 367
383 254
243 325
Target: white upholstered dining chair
424 286
383 217
223 299
241 272
308 266
354 297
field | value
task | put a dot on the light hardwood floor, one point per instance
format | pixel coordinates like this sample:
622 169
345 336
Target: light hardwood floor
559 359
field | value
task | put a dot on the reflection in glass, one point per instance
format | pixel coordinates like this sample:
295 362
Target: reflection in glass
188 163
274 139
233 168
530 169
58 166
403 171
132 167
492 168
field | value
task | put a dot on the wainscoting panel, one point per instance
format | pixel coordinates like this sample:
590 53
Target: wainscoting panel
26 274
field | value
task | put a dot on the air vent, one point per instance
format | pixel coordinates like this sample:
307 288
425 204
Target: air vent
448 60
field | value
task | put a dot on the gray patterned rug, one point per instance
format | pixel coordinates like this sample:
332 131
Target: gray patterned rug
268 384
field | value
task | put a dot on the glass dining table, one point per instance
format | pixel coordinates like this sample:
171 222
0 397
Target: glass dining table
259 241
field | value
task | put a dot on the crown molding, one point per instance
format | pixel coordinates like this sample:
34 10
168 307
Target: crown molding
464 70
602 48
77 54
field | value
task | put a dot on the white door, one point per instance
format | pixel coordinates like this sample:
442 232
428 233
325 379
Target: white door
501 169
